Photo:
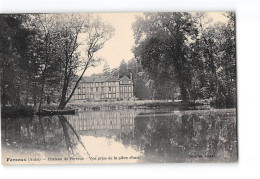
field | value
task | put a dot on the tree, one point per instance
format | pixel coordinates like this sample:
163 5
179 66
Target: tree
106 69
94 34
213 54
17 60
161 44
123 69
133 67
139 78
45 24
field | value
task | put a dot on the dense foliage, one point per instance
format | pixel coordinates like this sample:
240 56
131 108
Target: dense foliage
44 56
185 54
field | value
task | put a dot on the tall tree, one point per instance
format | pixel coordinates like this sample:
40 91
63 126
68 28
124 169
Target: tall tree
94 33
140 78
106 69
214 59
17 59
161 45
47 35
123 69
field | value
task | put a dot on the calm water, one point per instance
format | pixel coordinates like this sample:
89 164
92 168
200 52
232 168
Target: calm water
126 136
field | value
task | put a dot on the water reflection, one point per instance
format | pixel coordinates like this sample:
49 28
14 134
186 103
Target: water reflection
148 135
103 123
188 136
37 136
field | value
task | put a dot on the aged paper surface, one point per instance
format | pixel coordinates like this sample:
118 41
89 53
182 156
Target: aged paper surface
85 88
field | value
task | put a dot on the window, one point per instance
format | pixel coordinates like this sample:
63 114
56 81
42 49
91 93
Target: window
129 89
83 90
91 89
114 89
121 88
109 88
96 88
125 89
83 96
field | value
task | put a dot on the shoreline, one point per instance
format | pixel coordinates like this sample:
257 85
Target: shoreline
109 106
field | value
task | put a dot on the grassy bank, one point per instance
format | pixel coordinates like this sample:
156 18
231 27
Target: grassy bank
127 104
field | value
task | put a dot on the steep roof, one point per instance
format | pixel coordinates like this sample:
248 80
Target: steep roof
100 79
124 78
113 78
94 79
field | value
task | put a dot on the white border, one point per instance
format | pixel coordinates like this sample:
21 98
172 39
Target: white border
248 63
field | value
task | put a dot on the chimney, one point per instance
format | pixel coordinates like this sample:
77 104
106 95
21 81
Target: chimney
131 76
118 74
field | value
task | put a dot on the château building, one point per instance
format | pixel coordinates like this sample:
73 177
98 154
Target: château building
99 88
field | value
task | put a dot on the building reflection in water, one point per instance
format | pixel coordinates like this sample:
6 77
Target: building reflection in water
104 123
104 133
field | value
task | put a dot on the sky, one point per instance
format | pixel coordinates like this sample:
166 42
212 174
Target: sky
119 46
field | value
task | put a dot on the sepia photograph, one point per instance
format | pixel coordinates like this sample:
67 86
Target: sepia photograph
102 88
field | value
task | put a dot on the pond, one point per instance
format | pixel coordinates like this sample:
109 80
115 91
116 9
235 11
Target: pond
122 136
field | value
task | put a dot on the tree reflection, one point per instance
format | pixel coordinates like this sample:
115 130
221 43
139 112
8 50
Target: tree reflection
66 125
52 135
186 137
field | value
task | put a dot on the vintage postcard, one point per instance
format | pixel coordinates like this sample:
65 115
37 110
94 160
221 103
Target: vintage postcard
87 88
